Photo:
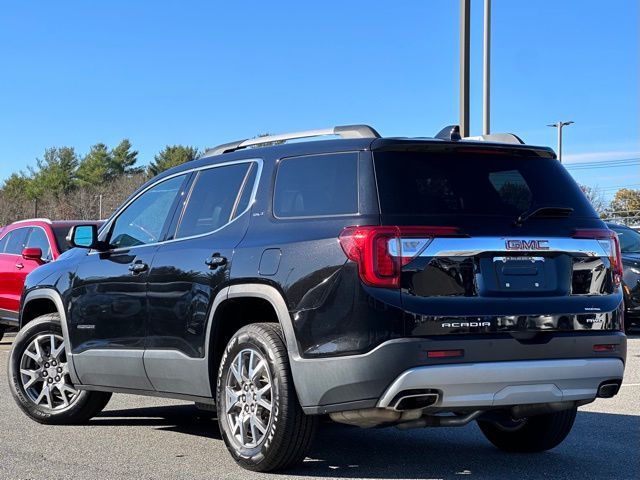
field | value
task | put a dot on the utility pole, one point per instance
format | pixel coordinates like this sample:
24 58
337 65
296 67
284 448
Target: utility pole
559 126
100 207
465 42
486 70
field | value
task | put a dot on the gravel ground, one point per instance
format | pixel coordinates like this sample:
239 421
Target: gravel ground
149 438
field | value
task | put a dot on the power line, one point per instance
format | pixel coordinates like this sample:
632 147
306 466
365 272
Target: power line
603 164
618 187
598 162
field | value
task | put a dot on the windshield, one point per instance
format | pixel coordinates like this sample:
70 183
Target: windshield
629 239
470 183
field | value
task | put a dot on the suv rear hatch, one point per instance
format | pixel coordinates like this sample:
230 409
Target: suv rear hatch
487 239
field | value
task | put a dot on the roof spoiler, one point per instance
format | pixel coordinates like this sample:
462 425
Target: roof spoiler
452 132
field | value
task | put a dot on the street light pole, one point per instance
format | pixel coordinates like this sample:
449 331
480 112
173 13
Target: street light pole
559 126
465 42
486 69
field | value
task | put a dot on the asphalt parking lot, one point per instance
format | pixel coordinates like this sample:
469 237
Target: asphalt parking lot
147 438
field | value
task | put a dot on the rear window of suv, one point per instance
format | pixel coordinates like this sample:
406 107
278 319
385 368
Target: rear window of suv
317 186
433 183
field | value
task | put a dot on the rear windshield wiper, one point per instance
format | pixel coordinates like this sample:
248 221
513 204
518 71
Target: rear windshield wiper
549 212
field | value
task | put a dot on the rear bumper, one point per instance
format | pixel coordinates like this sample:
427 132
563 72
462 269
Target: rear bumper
353 382
495 384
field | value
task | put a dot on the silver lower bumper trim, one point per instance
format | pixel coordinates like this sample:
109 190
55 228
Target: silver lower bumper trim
494 384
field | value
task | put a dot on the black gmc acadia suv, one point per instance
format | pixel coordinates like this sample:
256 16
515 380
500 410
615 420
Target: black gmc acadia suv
380 281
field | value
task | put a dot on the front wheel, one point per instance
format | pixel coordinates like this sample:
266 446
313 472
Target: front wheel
535 434
262 423
39 376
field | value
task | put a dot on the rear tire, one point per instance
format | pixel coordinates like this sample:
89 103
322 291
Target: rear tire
2 330
261 421
39 377
537 434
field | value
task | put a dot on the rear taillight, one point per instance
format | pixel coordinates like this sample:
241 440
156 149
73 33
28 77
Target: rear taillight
605 347
381 252
611 244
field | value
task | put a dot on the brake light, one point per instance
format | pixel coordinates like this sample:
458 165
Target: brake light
611 244
381 252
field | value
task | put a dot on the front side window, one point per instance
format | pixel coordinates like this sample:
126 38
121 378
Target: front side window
143 221
317 186
38 239
217 196
16 240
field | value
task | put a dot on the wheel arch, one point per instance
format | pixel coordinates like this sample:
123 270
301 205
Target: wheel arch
47 300
267 304
35 308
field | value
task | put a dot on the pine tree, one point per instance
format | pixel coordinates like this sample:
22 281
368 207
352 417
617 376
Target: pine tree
172 156
95 167
123 160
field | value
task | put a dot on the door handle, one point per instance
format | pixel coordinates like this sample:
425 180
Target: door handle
19 266
216 260
138 267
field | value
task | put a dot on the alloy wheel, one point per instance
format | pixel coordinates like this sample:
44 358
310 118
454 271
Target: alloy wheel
44 373
248 398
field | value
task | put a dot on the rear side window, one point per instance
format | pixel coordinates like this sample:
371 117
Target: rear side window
16 240
215 199
317 186
431 183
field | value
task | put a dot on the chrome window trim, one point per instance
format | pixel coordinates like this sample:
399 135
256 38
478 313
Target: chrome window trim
107 226
306 217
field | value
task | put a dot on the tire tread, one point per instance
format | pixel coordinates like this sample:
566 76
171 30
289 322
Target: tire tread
292 444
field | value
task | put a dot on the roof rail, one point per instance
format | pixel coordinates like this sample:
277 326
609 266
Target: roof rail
344 131
45 220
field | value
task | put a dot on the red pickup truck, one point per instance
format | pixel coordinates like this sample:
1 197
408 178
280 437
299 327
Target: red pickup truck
24 246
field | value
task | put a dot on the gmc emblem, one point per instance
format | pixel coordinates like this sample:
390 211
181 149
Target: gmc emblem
527 245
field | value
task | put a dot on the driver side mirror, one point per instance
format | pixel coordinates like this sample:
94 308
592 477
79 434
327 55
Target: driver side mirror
33 253
83 236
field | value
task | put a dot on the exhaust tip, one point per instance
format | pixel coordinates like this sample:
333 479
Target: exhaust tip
414 400
609 388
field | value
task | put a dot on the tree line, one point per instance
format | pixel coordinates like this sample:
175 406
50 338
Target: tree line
66 185
623 207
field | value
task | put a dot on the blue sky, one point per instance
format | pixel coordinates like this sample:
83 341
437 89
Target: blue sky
202 73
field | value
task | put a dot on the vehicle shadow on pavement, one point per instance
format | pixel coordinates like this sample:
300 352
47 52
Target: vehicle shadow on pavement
175 418
600 446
